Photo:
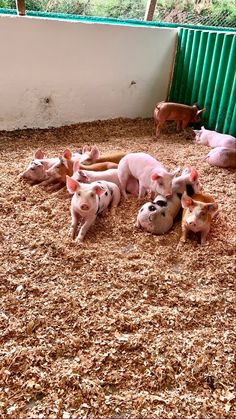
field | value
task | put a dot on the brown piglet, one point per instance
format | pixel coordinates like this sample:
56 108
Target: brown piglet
182 114
56 175
198 213
98 167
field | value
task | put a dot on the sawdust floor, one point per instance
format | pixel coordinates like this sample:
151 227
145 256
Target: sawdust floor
123 326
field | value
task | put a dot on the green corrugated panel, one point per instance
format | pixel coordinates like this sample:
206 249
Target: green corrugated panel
218 93
199 63
192 66
205 72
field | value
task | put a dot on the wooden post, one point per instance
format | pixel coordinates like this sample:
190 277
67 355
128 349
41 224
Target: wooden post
20 7
150 9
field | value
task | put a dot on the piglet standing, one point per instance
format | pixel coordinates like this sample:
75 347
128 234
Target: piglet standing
222 157
214 139
150 173
170 111
197 215
88 201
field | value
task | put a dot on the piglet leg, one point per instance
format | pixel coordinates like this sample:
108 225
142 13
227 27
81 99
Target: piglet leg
85 227
46 182
204 234
183 237
75 220
115 200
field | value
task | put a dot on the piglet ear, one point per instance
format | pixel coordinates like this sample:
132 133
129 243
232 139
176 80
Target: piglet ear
186 201
85 148
187 169
201 111
155 176
67 154
99 190
76 166
71 184
177 170
39 154
212 208
95 153
82 176
193 175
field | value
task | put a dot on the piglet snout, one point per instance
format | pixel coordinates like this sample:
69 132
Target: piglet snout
191 223
84 207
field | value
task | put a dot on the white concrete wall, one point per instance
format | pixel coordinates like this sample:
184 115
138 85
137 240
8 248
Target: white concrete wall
56 72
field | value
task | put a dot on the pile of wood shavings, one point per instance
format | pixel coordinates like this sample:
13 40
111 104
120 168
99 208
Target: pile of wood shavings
122 326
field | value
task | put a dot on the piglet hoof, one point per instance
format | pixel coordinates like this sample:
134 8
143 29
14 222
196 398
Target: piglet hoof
72 233
180 245
215 215
79 240
113 211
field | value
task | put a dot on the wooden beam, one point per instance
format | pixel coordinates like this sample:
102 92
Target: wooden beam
20 7
150 9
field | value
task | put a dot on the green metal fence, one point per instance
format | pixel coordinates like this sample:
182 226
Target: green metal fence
205 72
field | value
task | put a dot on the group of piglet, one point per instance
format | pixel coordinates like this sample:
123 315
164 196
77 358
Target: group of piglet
97 182
224 146
223 153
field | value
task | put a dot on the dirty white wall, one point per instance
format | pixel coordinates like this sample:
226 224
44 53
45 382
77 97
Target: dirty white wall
57 72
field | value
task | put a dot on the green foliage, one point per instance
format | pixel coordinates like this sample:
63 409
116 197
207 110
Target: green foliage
196 12
126 9
7 4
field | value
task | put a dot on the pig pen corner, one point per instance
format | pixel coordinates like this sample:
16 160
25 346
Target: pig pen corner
116 315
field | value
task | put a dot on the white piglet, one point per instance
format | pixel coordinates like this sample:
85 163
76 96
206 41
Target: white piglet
157 217
88 201
110 175
214 139
150 173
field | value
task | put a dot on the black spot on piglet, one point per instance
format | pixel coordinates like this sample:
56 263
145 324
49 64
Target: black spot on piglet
189 190
152 208
161 203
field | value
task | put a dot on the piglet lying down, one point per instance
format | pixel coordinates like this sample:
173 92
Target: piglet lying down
88 201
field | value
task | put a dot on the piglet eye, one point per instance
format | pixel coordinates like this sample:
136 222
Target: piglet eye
160 183
78 193
92 195
32 168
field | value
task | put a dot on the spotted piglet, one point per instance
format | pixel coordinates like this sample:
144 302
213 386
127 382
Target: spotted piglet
88 201
157 217
198 213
